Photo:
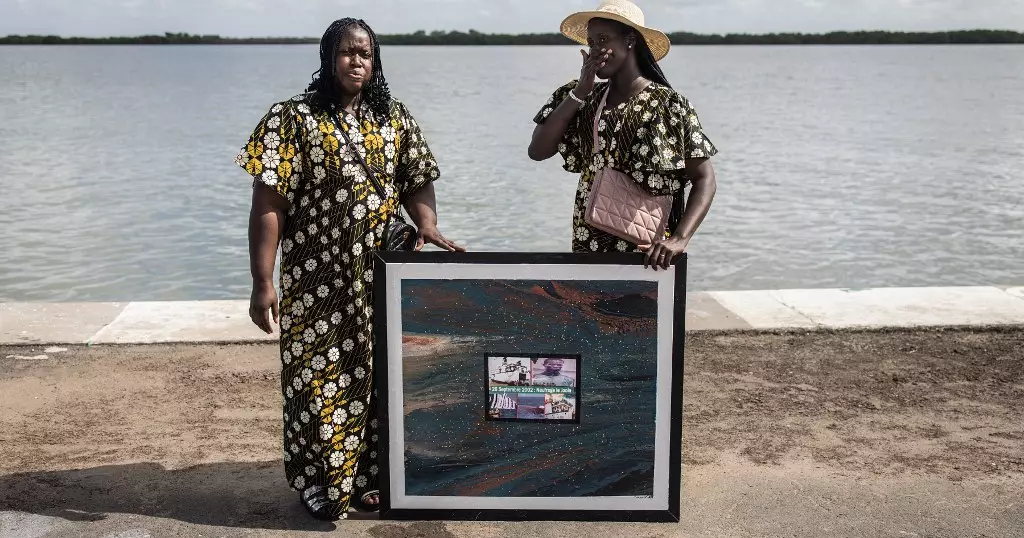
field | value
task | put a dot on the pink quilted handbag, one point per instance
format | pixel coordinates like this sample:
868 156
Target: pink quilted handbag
621 207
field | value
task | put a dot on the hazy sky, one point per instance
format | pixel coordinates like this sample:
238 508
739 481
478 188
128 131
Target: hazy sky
311 17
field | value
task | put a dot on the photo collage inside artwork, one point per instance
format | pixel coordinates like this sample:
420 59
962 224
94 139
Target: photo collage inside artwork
533 387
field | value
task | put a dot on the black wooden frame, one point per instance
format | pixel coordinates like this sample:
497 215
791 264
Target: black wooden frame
383 258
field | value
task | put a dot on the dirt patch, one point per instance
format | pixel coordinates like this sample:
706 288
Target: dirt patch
936 401
130 418
179 405
432 529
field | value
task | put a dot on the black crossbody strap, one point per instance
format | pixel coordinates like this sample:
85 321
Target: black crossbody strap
370 171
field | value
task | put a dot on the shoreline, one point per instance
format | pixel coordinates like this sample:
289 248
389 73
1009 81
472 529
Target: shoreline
227 321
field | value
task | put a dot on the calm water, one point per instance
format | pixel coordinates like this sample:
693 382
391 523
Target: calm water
839 167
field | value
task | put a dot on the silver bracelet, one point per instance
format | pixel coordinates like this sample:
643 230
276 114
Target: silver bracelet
572 95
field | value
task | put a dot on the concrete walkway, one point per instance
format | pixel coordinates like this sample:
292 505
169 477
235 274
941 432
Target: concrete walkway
228 321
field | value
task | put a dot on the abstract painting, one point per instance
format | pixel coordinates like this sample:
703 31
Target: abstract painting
528 386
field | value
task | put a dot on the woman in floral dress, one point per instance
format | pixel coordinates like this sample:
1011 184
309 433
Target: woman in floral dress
312 195
647 130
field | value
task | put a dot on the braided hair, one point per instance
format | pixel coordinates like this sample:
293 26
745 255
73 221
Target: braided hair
324 86
648 65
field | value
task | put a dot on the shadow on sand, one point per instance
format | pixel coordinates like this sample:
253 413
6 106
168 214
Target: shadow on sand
242 495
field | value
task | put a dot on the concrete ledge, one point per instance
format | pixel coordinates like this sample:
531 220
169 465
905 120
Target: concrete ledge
228 321
762 309
186 321
703 312
54 323
906 307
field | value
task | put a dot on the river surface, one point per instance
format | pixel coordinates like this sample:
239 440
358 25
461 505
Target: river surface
838 166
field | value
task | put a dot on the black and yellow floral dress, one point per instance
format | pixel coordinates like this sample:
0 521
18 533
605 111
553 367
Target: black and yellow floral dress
334 223
648 137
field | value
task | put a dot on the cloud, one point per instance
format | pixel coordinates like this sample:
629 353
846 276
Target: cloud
310 17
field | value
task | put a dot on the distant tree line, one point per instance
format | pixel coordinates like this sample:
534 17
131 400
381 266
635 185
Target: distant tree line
960 37
472 37
685 38
166 39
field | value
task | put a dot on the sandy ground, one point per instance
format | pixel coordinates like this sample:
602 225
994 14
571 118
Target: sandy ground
901 433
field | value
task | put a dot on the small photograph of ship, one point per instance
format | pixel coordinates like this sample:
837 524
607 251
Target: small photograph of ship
508 371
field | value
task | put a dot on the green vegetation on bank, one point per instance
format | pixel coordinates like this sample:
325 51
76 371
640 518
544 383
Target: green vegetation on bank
473 37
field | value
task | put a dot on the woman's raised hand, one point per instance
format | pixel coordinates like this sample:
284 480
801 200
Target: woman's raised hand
592 63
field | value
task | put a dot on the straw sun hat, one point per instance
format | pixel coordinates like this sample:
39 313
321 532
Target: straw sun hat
575 26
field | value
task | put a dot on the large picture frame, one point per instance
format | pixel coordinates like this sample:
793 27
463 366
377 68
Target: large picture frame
595 341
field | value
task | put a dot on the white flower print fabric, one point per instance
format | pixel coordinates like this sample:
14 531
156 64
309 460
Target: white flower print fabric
648 137
330 233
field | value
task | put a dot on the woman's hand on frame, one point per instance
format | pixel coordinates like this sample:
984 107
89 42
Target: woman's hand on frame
432 235
664 252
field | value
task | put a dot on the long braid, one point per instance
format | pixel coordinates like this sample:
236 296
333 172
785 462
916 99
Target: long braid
375 93
645 60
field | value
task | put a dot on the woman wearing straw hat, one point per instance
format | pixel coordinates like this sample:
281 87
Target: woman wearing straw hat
646 130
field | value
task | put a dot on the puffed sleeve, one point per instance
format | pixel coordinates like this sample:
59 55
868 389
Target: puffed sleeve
697 144
273 155
416 163
575 141
668 133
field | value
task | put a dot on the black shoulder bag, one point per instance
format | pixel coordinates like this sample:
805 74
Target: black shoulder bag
398 235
